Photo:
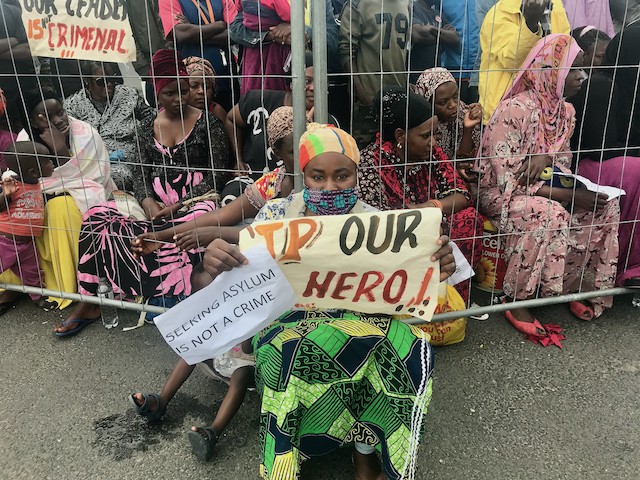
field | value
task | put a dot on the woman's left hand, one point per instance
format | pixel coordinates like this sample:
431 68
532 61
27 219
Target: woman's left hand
167 211
221 256
445 256
473 116
466 172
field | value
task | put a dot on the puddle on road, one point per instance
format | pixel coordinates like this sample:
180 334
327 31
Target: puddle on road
120 436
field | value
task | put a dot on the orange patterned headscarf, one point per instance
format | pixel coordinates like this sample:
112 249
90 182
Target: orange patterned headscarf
321 138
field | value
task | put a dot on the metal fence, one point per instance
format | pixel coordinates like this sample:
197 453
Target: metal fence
324 83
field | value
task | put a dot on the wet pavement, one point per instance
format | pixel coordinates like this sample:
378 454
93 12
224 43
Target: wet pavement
503 408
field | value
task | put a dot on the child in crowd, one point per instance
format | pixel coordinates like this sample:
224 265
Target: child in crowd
236 364
22 216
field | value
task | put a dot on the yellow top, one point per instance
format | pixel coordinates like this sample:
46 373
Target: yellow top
506 41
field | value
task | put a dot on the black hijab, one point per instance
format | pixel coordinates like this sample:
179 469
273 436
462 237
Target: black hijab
393 108
623 53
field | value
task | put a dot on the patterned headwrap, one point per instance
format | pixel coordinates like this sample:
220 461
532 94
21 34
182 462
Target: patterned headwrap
194 64
166 67
544 72
393 109
320 138
279 125
429 81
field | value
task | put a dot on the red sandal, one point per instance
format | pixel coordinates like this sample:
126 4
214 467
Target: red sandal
582 311
534 328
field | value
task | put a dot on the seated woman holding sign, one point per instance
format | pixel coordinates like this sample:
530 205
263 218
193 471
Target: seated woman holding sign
376 399
406 168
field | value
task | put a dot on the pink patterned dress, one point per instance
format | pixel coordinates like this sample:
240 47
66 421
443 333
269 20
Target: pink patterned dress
551 248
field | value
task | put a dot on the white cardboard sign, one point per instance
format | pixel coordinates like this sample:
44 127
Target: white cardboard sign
234 307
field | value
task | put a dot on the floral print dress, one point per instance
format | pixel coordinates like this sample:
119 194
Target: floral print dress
385 183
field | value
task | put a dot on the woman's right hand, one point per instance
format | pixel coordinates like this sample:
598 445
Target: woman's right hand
466 172
56 141
242 169
221 256
140 246
584 199
198 237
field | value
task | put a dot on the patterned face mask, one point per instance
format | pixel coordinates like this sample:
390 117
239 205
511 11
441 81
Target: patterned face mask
330 202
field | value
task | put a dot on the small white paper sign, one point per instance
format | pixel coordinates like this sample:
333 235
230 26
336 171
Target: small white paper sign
611 192
463 269
234 307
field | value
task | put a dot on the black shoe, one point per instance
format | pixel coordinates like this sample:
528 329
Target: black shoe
632 283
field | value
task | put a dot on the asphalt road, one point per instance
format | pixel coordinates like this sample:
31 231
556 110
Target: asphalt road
503 408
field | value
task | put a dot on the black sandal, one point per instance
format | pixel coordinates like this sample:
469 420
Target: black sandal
144 410
46 305
203 442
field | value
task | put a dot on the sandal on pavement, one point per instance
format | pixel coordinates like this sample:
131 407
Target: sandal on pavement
534 328
582 311
203 442
46 305
153 416
82 322
545 335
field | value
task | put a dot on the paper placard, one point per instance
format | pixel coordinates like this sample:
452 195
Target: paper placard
83 29
234 307
611 192
367 262
463 269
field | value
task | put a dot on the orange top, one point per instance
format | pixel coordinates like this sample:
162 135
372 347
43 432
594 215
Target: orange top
24 216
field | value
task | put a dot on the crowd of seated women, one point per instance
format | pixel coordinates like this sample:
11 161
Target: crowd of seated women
136 197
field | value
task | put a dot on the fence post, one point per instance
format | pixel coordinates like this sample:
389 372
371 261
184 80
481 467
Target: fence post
297 83
319 42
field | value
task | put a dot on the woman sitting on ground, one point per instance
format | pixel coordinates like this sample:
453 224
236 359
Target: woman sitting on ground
558 240
81 179
608 138
363 411
178 146
204 229
406 168
202 85
458 123
116 112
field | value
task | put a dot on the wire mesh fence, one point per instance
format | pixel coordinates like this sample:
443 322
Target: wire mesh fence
486 110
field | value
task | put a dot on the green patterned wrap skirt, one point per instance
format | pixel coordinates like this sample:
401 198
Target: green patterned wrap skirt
330 379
